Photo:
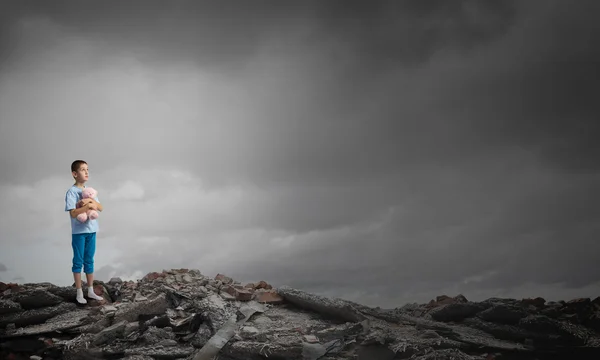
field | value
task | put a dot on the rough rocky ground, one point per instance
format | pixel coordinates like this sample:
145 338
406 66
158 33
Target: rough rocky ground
181 314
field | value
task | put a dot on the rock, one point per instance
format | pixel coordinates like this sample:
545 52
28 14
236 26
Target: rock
227 296
503 314
201 337
238 294
67 293
263 285
249 331
154 335
36 299
108 309
60 322
225 333
9 306
460 298
110 333
130 313
115 281
335 308
311 339
223 279
537 302
268 297
153 276
161 352
36 316
456 311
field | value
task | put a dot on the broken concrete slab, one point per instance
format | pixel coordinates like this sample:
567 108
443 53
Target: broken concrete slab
61 322
9 307
132 311
35 299
226 332
35 316
268 297
110 334
335 308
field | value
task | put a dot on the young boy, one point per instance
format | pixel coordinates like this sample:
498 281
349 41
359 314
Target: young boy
83 238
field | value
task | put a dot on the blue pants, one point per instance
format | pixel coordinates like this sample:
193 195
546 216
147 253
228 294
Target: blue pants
84 248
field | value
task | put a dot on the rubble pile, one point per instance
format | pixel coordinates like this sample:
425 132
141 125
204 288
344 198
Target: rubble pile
182 314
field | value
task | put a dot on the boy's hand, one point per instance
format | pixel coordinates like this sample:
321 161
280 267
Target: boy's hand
84 202
92 206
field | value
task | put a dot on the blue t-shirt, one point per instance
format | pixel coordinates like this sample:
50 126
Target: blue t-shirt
77 227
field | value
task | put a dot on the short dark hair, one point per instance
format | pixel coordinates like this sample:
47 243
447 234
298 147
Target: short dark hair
76 164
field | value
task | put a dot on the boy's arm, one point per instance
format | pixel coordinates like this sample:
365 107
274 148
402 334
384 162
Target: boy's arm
96 204
71 205
75 212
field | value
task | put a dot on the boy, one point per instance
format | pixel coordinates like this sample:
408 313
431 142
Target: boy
83 238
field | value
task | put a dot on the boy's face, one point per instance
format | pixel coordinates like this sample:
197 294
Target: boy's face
81 175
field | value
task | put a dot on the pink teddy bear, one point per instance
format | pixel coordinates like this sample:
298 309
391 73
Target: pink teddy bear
87 193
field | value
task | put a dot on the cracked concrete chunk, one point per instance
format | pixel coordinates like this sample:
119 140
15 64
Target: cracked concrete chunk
64 321
36 299
336 308
110 333
160 352
132 311
456 311
36 316
9 306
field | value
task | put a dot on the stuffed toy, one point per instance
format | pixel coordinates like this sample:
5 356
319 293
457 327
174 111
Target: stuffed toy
87 193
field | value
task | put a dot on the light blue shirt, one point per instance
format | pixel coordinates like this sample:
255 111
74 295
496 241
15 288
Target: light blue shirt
77 227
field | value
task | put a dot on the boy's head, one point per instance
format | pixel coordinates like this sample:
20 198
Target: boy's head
79 169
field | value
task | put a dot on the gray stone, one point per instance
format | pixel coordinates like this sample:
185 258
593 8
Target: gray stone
67 293
201 337
131 328
115 281
9 307
503 314
60 322
36 316
110 333
249 330
160 352
226 332
329 307
36 299
132 311
456 311
154 335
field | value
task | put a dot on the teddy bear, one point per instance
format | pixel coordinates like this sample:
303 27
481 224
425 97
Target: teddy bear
88 193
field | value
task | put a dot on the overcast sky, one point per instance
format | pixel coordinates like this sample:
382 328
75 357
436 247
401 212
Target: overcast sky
384 152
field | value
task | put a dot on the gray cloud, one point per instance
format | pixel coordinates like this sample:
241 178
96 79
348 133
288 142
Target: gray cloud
384 151
3 267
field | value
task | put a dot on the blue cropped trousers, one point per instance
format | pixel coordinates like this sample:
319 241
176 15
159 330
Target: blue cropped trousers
84 248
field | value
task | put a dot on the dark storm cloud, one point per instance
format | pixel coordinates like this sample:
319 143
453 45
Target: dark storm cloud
537 88
366 109
3 267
